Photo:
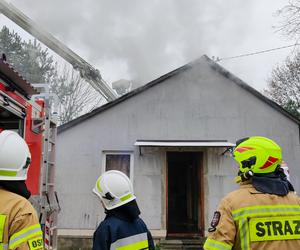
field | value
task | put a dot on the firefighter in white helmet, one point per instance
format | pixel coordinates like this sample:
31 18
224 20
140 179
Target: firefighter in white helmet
122 227
19 225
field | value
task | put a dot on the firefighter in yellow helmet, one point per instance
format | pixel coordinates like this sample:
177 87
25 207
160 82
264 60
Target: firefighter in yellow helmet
263 213
19 225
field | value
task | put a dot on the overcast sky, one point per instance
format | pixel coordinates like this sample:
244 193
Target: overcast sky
142 40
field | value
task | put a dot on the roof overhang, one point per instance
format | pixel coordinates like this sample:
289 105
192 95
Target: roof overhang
182 143
16 81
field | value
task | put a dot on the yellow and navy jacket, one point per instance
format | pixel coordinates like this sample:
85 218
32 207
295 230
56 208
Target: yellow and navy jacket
19 225
115 233
248 219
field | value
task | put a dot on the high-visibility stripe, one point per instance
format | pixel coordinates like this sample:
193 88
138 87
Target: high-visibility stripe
2 224
244 234
135 242
24 235
99 186
135 246
8 173
126 197
259 211
3 246
211 244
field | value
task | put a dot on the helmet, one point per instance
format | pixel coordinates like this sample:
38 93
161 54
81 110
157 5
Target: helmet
258 154
14 156
114 189
285 169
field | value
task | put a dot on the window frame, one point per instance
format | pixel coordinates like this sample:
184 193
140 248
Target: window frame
119 152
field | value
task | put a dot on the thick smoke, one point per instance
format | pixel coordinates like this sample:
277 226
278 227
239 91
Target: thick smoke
142 40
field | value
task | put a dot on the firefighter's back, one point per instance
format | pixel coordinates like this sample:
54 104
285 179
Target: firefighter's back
271 221
19 227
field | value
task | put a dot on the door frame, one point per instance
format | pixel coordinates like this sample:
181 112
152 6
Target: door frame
201 218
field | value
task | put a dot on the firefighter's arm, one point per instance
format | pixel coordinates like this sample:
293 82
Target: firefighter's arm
223 230
101 239
150 241
25 231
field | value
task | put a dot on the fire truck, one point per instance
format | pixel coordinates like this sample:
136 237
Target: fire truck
26 110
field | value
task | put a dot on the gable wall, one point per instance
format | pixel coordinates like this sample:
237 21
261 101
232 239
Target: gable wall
196 104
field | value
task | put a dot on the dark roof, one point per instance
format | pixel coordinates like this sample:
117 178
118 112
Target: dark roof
15 80
175 72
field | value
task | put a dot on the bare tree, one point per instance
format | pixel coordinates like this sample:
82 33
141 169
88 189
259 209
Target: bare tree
290 15
76 97
284 85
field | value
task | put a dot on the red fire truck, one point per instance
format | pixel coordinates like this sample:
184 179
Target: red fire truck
26 110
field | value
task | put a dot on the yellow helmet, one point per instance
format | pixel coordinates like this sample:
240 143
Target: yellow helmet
258 154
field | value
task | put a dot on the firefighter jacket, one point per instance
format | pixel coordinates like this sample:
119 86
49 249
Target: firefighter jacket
19 225
115 233
249 219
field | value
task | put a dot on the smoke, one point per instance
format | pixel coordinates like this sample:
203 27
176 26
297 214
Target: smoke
142 40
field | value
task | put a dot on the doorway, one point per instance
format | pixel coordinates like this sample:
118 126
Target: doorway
184 203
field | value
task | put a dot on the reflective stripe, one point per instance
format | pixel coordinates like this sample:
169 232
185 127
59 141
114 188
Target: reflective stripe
126 197
24 235
3 246
211 244
244 234
135 242
260 211
99 186
2 224
8 173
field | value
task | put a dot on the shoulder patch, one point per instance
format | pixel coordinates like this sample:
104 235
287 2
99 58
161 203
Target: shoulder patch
215 221
36 243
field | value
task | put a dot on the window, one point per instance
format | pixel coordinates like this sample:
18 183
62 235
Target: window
122 161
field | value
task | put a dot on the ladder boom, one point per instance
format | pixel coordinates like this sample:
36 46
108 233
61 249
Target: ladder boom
86 70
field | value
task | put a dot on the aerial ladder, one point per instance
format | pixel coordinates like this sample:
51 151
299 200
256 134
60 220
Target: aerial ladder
86 70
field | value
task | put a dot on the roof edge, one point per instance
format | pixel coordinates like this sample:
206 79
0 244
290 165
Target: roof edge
122 98
217 67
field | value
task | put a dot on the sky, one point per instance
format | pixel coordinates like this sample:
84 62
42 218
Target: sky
141 40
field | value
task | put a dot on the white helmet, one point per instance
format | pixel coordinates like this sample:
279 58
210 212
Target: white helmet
14 156
286 171
114 189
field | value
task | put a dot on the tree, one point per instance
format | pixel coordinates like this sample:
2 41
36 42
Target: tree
36 65
28 57
290 14
75 96
284 85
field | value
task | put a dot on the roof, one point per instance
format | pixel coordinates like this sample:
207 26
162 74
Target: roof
15 80
173 73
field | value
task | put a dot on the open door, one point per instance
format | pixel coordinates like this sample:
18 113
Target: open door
184 216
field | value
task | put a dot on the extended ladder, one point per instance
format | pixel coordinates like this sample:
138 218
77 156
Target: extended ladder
48 201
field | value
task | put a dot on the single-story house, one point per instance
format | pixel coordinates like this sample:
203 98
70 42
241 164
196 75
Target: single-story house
170 137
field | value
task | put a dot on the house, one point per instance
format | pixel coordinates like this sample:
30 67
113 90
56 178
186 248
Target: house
170 137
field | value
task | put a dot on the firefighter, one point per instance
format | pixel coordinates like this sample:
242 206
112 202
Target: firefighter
19 225
122 227
263 213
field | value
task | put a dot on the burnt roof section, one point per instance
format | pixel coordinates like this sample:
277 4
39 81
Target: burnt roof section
219 69
15 80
